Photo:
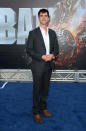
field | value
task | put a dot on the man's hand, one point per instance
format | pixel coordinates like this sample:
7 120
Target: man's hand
47 57
44 57
50 57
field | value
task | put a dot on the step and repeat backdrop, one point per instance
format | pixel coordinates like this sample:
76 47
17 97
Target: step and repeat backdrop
68 19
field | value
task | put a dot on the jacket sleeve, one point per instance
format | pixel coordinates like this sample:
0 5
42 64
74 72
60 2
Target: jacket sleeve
30 47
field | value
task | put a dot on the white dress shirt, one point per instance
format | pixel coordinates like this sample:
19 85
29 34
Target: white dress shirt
46 40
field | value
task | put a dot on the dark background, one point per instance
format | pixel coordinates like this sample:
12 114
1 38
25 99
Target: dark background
14 56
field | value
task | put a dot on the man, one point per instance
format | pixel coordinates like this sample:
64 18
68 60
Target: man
42 46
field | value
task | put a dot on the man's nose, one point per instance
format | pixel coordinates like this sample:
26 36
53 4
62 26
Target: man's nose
44 17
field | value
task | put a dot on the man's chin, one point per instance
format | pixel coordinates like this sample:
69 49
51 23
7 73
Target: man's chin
45 24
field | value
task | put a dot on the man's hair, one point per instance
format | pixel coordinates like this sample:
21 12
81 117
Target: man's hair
43 11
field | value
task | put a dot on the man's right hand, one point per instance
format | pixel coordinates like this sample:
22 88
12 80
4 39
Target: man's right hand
47 57
44 57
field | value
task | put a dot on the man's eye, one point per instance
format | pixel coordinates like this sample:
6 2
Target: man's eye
43 15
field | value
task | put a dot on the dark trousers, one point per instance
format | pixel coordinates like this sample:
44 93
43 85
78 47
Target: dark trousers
41 88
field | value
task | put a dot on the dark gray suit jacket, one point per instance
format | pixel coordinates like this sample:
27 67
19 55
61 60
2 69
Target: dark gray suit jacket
36 48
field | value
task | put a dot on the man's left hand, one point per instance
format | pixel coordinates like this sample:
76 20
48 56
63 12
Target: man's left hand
50 57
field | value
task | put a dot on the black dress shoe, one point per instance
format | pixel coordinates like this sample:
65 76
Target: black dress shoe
37 118
45 113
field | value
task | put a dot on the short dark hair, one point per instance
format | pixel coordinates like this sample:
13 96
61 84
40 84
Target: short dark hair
43 11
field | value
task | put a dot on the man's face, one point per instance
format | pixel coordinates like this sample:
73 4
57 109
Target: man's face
44 18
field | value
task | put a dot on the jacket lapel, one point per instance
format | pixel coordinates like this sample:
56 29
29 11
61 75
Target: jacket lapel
49 38
41 38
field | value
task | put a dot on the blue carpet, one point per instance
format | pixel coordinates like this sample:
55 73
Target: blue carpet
66 101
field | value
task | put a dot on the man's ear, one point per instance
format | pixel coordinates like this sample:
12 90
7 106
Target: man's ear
49 20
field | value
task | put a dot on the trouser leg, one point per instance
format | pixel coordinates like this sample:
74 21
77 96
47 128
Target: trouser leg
44 89
36 91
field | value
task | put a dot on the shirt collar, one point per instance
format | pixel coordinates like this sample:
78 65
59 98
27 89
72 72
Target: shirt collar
43 29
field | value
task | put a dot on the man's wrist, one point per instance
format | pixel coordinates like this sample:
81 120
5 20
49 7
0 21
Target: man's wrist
53 57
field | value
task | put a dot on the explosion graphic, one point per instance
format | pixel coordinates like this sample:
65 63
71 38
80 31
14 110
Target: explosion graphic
69 22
